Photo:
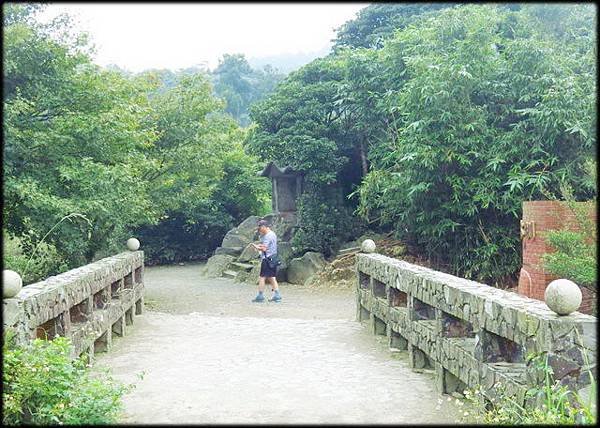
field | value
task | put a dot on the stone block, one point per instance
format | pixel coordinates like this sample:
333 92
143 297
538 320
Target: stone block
216 265
235 251
302 268
561 366
249 254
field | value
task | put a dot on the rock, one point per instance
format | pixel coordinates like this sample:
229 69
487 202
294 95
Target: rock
588 396
234 239
302 268
368 246
563 296
11 283
230 251
250 253
284 250
133 244
247 228
283 227
561 366
217 264
252 277
419 360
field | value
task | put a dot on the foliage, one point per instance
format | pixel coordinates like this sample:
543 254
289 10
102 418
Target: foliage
324 221
47 261
43 386
554 404
574 257
240 85
203 179
72 142
379 21
488 107
315 122
125 151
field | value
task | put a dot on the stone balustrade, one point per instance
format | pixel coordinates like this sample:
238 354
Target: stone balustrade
88 304
472 334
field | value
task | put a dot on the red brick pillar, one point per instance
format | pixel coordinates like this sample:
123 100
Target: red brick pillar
540 217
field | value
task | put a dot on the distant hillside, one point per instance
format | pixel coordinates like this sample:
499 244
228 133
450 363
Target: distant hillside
287 62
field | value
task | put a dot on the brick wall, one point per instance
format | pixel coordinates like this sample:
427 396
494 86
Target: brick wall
541 217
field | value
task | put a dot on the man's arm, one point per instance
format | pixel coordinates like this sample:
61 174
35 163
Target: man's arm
260 247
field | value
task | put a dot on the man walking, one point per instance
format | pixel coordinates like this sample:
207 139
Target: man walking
268 263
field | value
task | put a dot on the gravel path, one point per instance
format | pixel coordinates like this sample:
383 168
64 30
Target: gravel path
208 355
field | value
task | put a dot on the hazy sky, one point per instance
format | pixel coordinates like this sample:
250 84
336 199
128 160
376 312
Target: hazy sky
138 36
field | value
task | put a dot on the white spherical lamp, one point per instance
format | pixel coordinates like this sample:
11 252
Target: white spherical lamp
368 246
11 283
133 244
563 296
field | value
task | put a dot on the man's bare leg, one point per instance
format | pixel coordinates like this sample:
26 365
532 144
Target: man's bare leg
261 289
261 284
275 288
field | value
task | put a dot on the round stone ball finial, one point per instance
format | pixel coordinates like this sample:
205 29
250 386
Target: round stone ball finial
133 244
563 296
11 283
368 246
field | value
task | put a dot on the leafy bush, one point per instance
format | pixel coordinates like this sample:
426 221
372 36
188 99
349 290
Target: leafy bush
43 386
550 403
45 262
324 222
574 257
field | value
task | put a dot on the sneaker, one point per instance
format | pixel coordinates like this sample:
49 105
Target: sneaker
259 298
275 298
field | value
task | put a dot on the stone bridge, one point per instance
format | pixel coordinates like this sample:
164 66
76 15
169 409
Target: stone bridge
202 353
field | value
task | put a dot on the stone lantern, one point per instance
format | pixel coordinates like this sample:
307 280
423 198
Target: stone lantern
287 187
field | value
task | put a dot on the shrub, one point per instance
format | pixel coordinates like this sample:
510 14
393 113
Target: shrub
550 403
575 255
45 262
324 221
43 385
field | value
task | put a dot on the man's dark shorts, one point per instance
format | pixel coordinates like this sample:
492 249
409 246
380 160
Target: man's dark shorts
266 271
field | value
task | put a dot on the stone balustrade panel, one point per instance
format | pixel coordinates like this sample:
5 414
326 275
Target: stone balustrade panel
474 334
87 304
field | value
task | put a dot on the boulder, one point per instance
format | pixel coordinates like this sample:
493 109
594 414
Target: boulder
300 269
247 228
249 254
230 251
234 239
217 264
284 250
282 226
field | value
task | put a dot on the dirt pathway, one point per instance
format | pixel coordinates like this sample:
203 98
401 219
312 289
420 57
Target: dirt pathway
209 355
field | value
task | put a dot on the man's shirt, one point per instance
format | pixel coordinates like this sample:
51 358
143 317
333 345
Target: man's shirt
270 240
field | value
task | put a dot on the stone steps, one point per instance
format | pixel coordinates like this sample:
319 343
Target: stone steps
238 266
230 274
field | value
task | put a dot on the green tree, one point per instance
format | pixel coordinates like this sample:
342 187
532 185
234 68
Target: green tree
199 175
72 140
240 85
378 21
490 107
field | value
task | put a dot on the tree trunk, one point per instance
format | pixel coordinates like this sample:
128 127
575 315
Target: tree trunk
363 158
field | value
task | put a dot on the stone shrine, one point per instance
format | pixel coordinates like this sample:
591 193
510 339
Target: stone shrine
287 187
